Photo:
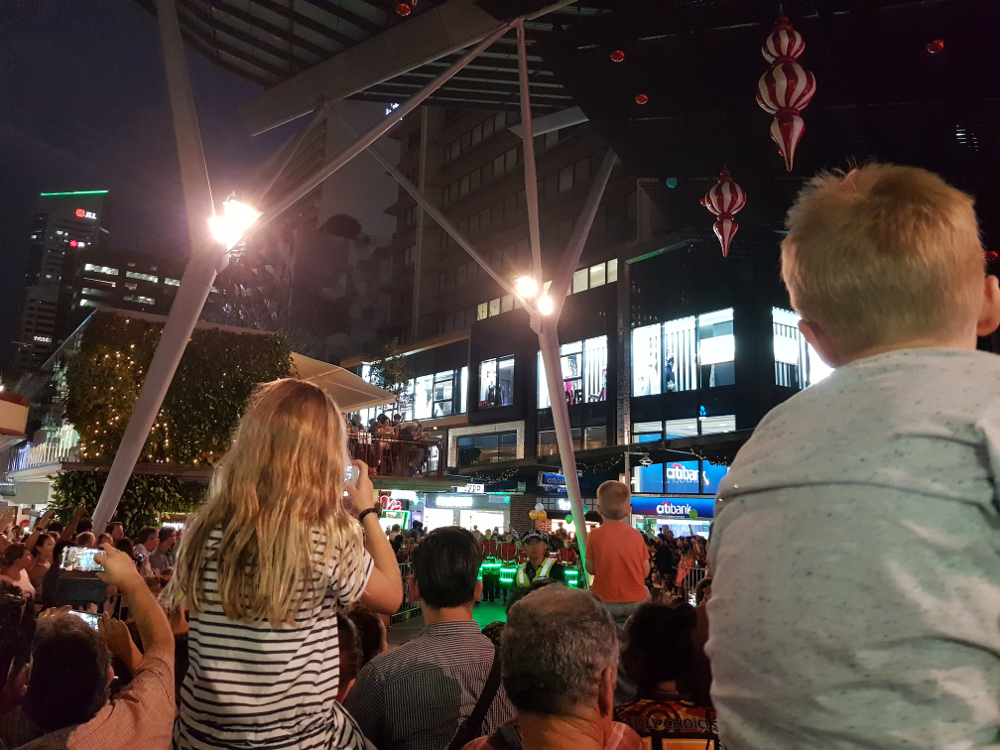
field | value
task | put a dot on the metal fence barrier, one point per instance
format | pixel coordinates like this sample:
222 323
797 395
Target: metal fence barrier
407 608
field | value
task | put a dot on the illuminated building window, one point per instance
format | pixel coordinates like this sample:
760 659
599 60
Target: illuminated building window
142 276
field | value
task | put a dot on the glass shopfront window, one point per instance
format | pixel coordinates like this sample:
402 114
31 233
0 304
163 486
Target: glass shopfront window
583 439
584 370
496 382
684 354
796 363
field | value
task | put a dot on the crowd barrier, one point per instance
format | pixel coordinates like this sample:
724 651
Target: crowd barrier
407 608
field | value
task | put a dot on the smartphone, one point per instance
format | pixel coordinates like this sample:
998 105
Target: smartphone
87 617
351 474
80 558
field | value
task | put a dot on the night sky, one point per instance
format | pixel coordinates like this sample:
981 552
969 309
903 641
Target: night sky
83 106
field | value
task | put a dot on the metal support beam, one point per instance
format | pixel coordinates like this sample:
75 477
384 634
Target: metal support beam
276 163
548 341
207 259
564 118
329 169
530 174
444 223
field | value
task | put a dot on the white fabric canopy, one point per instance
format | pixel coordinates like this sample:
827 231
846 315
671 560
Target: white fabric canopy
349 391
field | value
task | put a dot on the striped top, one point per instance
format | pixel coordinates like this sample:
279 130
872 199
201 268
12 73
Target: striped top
250 685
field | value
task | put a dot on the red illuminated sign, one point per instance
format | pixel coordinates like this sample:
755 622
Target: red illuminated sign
388 503
73 243
80 213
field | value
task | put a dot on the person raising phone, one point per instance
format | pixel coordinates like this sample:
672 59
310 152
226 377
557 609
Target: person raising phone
272 556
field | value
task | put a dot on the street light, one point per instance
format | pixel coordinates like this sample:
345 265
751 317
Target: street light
545 305
229 228
526 286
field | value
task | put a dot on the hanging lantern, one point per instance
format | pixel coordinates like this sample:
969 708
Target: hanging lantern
404 9
991 255
618 56
724 200
786 89
641 99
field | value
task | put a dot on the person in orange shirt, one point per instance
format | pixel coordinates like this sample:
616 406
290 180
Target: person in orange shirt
617 555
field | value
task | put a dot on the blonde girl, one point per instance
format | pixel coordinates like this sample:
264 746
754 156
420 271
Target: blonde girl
274 553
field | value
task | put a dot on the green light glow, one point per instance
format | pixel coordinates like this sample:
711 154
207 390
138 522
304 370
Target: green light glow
76 192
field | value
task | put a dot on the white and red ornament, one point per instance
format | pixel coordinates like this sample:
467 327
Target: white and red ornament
786 89
725 199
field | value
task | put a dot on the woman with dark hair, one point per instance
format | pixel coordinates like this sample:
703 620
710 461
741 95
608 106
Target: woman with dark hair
657 657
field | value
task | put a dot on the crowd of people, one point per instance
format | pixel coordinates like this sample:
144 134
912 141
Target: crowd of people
390 445
853 598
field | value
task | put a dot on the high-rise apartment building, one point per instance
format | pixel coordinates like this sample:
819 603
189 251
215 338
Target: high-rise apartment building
66 224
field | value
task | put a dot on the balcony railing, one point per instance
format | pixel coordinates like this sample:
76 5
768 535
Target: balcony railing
61 447
392 457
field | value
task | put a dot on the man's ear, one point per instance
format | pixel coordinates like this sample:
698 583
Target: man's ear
989 314
606 692
821 343
414 589
479 591
111 675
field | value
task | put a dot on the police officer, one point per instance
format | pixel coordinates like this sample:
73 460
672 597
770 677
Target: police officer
539 564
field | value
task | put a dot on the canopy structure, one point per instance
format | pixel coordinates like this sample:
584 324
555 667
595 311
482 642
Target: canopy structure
349 391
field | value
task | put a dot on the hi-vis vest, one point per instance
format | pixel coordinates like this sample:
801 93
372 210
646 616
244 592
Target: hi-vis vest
542 572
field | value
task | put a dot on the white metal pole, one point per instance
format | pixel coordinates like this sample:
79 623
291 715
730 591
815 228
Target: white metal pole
548 342
207 259
316 178
276 163
530 175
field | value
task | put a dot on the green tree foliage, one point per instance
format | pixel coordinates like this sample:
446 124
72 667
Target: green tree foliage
208 394
147 497
390 370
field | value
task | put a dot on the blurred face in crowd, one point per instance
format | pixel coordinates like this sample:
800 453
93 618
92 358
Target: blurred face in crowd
536 551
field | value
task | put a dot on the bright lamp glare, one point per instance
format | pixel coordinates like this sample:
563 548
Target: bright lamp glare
546 305
527 287
229 227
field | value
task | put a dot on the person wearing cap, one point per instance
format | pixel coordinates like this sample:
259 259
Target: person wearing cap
539 564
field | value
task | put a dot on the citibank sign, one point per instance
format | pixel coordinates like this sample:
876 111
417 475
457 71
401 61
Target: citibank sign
680 473
659 505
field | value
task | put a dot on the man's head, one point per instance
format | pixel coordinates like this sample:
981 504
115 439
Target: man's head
560 654
70 673
84 524
614 501
446 569
86 539
535 544
886 257
167 537
351 655
148 538
658 644
116 530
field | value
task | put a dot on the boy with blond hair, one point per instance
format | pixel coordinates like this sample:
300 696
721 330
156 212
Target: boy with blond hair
856 553
617 555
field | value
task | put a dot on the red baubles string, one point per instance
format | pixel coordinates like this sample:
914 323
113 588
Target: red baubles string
641 99
724 200
618 56
403 9
786 89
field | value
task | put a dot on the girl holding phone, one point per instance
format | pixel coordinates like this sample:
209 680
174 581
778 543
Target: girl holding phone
274 553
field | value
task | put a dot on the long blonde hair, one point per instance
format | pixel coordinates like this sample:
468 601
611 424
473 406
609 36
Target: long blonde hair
281 481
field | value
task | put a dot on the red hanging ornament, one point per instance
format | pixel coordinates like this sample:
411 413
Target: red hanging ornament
936 46
403 9
786 89
991 255
641 99
618 56
724 200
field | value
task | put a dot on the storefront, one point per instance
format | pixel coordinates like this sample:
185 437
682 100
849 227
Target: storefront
688 515
470 511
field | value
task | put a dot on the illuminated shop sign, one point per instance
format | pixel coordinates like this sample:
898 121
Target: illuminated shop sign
673 507
453 501
84 214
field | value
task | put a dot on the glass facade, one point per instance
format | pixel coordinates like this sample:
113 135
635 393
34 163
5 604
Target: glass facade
426 397
685 354
496 382
796 363
584 370
489 448
583 439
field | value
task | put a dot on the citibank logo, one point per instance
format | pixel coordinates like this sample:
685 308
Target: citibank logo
678 473
669 509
